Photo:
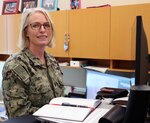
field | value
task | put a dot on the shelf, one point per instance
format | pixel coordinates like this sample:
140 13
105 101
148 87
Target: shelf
121 70
112 65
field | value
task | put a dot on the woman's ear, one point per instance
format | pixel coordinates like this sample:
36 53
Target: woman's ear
26 34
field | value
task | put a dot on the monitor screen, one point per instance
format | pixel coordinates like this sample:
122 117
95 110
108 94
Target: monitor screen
96 80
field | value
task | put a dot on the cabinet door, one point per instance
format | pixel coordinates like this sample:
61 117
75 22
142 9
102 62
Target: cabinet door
3 33
60 22
123 30
89 31
13 30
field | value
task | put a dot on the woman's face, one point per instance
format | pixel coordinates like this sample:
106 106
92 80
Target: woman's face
39 31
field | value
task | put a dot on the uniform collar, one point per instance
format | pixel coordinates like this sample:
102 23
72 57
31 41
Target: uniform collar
36 60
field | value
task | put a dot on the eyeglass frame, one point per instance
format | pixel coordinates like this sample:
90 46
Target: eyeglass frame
46 25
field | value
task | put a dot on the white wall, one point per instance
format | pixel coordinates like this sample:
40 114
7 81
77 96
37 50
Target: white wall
86 3
65 4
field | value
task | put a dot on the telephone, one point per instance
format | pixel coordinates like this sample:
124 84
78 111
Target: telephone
108 92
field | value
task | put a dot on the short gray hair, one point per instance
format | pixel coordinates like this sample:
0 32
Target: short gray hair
23 40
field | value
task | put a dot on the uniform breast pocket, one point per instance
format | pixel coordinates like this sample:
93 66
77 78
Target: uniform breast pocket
39 84
40 91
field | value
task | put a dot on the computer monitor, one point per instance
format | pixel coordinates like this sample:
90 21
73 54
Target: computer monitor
142 57
96 80
139 96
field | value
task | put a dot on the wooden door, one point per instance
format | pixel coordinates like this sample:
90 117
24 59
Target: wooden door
13 30
60 22
89 31
123 30
3 33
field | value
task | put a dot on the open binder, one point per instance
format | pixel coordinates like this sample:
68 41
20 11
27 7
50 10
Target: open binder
73 109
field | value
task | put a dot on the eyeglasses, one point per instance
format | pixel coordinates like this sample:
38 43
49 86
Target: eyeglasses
37 26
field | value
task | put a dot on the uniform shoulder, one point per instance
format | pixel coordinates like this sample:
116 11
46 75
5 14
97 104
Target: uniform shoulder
12 60
14 67
50 56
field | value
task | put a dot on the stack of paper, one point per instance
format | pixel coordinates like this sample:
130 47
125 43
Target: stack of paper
73 109
99 69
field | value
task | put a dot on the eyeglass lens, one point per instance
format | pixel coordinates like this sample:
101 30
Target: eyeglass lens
37 25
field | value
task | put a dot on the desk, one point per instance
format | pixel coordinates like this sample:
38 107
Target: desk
92 118
32 119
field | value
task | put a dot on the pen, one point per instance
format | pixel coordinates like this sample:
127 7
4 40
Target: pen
73 105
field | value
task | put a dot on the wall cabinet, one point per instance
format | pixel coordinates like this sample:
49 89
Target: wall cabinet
13 30
60 22
88 31
3 35
105 34
123 29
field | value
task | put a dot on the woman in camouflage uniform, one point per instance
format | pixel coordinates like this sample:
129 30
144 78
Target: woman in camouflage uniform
31 78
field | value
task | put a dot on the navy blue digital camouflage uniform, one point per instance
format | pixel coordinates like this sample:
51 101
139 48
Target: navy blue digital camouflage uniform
28 84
